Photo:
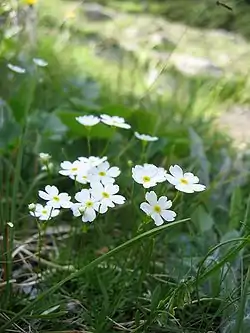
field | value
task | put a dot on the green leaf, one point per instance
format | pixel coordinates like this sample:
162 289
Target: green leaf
100 131
236 212
9 128
202 219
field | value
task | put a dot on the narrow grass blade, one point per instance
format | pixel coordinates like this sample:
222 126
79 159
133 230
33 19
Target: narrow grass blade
91 265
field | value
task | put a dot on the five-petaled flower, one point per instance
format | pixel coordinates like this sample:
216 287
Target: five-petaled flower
88 120
114 121
148 175
44 213
54 198
185 182
107 196
86 207
103 173
158 209
70 169
146 137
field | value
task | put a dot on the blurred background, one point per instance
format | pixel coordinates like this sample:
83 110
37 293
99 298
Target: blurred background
177 69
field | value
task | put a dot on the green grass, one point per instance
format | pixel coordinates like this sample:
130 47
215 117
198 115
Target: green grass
119 273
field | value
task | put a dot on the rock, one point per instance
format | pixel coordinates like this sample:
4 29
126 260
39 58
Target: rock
191 65
97 12
236 122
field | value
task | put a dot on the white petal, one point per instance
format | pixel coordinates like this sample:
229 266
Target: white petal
44 195
89 215
164 203
112 189
191 178
185 188
103 208
176 171
55 212
151 197
144 206
52 190
168 215
118 199
113 172
199 187
83 195
157 218
66 165
172 180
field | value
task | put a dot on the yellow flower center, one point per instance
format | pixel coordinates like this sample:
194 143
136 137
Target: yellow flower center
102 173
30 2
105 195
184 181
56 198
89 204
146 179
44 211
74 169
157 209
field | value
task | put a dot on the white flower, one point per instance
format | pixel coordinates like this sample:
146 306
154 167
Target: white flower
158 209
107 196
70 169
114 121
44 157
103 173
184 182
44 213
92 160
54 198
148 175
16 69
88 120
87 206
83 174
40 62
145 137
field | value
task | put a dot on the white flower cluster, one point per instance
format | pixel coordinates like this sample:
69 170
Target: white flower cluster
149 175
101 195
114 121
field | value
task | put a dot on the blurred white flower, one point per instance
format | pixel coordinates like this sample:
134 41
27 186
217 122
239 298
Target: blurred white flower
16 69
86 207
145 137
92 160
54 198
114 121
44 157
148 175
44 213
107 196
185 182
103 173
88 120
70 169
158 209
40 62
